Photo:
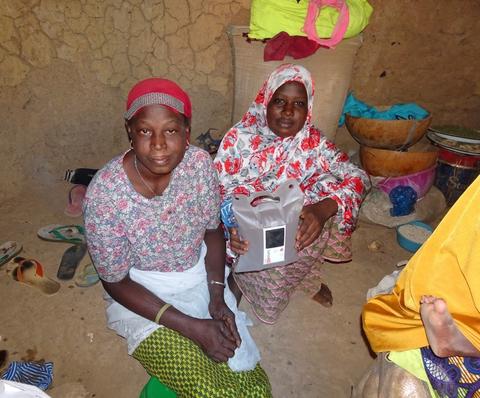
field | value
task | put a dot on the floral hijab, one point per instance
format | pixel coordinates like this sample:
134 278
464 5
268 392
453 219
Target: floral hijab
255 120
251 142
252 158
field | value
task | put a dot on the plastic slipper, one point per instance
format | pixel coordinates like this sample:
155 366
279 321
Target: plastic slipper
70 261
81 176
87 276
3 358
75 201
62 233
8 250
30 272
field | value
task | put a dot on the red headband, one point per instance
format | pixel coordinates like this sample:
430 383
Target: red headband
156 91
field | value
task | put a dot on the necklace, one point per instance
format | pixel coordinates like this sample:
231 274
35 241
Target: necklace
141 177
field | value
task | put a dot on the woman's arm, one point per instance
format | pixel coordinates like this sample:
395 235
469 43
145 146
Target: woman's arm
206 333
215 267
339 179
312 219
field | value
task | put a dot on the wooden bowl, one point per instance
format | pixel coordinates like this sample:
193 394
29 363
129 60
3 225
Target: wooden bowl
387 134
387 163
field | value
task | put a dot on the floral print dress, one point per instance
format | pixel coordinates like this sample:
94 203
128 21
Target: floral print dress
165 233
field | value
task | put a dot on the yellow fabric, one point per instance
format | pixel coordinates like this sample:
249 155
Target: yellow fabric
446 266
269 17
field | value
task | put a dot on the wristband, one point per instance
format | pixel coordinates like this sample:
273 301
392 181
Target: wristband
161 311
212 282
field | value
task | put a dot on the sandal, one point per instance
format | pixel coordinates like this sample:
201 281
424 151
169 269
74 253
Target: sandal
3 358
70 261
63 233
81 176
87 276
8 250
75 201
30 272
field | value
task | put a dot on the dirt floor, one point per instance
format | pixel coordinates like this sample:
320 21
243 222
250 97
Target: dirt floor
311 352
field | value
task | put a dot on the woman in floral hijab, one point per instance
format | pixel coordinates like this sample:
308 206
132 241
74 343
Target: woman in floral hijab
275 142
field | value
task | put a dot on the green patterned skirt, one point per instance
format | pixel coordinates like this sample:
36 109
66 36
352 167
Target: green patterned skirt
183 367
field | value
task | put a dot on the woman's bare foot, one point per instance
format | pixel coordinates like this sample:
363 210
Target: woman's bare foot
443 335
324 296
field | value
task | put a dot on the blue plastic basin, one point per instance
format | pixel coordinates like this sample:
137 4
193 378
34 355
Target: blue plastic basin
408 243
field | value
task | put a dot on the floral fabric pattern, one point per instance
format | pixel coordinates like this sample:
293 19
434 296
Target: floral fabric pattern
253 158
124 229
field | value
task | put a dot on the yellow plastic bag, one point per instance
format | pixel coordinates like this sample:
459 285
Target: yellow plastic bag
269 17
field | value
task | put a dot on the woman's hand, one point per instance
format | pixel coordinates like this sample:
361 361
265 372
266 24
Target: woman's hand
220 311
237 245
213 337
312 220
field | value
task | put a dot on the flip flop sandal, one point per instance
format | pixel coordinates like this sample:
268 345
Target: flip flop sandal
81 176
62 233
70 261
3 358
30 272
9 250
75 201
87 276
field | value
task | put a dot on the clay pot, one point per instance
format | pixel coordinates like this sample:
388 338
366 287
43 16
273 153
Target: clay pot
387 134
386 163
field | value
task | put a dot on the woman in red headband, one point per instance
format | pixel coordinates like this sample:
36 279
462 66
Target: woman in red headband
152 226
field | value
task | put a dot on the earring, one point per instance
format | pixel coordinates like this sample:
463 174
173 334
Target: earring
131 143
188 144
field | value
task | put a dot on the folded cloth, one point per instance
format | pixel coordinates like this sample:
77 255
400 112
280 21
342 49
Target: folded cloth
32 373
282 45
357 108
12 389
385 286
226 213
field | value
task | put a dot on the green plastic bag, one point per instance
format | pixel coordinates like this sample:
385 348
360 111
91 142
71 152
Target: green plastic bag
155 389
269 17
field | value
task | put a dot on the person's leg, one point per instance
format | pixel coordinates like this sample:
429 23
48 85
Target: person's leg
234 288
268 291
443 335
183 367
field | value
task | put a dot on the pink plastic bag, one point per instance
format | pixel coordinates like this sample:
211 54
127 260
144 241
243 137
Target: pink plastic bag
314 10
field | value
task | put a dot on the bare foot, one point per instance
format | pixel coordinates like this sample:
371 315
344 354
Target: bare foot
443 335
324 296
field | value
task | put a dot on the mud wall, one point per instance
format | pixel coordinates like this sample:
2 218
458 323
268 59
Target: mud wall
66 66
425 52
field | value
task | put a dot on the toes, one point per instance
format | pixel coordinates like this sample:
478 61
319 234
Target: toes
427 299
440 306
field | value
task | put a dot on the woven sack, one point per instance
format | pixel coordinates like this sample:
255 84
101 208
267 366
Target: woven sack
331 70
